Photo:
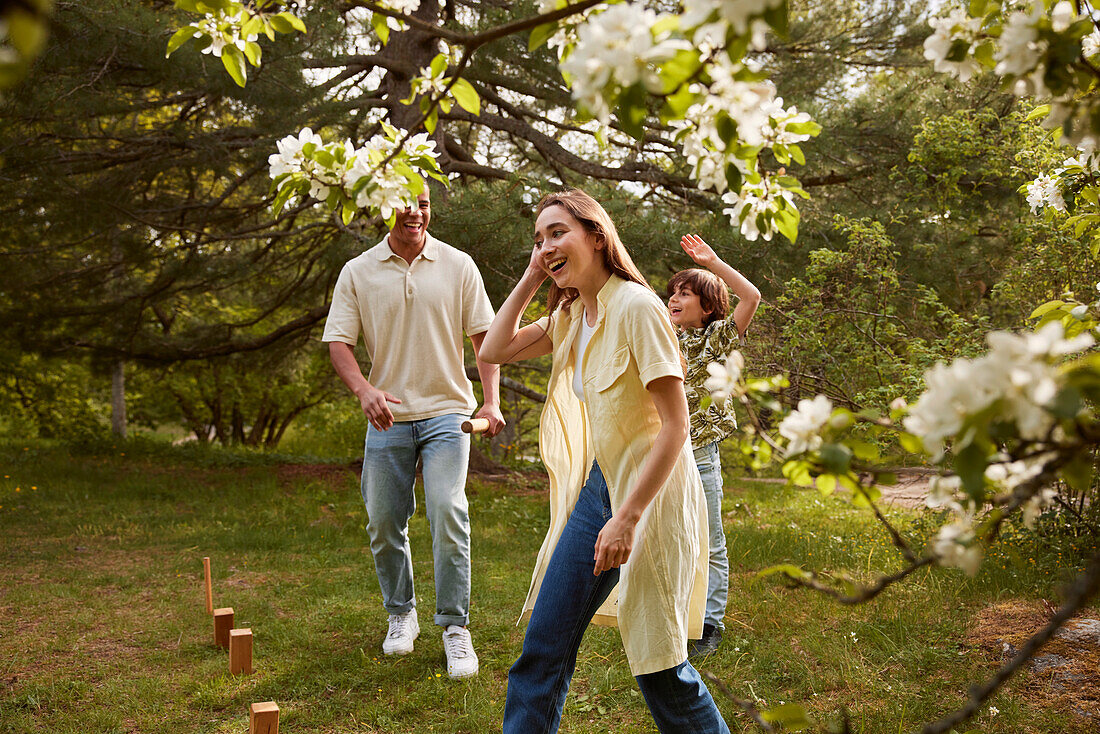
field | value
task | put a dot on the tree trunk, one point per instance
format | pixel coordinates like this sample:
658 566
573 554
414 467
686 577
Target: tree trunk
118 399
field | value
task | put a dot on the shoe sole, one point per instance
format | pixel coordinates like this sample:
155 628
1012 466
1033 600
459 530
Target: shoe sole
463 676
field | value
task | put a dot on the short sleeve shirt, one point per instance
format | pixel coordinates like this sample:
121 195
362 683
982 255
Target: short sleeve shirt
412 317
700 347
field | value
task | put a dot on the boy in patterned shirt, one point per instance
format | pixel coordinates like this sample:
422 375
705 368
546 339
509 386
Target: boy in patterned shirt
698 304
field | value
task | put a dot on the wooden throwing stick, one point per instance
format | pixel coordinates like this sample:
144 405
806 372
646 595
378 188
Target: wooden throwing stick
475 425
209 586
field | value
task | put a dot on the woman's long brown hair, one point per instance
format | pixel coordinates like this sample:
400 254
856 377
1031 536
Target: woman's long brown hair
595 220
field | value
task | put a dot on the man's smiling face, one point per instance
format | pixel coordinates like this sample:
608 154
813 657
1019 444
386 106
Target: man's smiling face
410 231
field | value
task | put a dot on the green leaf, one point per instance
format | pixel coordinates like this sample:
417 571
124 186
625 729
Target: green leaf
1078 472
1043 309
189 5
787 569
864 496
280 24
1067 403
680 100
797 154
632 110
180 37
233 61
958 50
253 53
836 457
826 484
540 35
970 464
790 716
886 479
911 443
347 212
1041 111
862 449
777 18
431 120
978 8
466 96
378 23
438 65
733 177
726 127
295 22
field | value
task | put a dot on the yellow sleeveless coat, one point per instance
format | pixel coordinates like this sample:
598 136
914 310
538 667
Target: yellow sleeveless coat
660 598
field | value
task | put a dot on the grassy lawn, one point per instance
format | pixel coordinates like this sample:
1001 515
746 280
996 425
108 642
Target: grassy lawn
103 625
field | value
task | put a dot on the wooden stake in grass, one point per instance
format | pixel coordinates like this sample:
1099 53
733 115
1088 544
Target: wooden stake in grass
223 622
209 586
240 651
263 718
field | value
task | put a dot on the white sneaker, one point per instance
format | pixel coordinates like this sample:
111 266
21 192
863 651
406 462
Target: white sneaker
461 658
404 629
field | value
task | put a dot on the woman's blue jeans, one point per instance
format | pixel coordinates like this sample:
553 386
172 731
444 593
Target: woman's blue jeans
570 595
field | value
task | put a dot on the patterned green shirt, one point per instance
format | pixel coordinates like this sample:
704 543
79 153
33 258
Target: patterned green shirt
700 347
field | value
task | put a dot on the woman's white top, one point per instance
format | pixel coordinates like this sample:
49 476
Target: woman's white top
582 344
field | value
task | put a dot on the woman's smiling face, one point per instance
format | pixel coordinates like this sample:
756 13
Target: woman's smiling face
567 251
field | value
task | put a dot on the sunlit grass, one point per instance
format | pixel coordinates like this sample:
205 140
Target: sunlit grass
105 630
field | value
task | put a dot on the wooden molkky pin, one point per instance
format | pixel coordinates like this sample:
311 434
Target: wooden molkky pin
240 651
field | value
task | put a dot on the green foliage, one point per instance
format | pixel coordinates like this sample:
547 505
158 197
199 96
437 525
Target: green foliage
853 329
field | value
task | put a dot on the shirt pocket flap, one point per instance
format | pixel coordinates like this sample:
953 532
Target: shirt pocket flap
607 373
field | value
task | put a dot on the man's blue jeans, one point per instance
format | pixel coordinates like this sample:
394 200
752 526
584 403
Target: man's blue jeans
389 472
568 598
718 577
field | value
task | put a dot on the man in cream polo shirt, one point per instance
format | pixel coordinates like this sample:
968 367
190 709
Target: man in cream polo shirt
413 297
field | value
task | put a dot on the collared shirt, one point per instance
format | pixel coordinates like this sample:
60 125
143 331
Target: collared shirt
700 347
659 601
412 317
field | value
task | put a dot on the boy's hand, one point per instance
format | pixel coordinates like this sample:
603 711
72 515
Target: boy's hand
698 250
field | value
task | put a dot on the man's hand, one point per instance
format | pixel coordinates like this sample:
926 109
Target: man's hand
492 414
373 401
613 544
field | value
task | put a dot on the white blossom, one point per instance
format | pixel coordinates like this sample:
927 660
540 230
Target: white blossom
958 25
737 13
751 202
956 545
1021 50
617 47
1090 44
1046 190
803 426
725 377
942 492
1019 370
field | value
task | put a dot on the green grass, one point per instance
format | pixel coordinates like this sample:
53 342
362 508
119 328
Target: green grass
103 625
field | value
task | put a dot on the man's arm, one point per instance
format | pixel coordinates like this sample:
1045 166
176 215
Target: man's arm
371 399
490 388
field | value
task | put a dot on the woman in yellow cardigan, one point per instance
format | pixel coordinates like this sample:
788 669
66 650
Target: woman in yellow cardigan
627 542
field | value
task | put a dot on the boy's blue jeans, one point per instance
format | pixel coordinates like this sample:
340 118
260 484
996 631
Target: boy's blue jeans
568 598
389 472
718 577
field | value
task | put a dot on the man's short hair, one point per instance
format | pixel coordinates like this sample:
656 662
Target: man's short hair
712 292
